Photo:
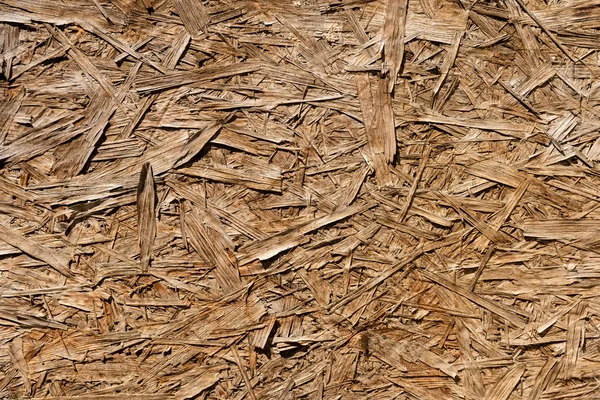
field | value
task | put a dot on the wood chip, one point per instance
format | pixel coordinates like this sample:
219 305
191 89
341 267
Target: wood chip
146 208
193 14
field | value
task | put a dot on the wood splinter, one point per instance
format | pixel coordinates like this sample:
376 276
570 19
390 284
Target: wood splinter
146 208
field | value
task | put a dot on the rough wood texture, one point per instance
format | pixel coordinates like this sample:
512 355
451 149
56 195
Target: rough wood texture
312 199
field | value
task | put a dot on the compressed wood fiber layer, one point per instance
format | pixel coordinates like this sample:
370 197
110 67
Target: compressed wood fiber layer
311 199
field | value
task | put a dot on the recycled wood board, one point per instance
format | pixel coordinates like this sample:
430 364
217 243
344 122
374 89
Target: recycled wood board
299 199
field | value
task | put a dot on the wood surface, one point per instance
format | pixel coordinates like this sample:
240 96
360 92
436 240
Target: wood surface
299 199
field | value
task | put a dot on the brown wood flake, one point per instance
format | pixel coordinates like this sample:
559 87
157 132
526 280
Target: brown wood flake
146 208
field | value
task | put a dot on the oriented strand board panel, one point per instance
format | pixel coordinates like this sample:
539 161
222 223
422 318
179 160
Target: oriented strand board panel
299 199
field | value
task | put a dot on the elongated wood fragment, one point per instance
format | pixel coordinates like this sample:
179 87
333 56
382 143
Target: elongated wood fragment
54 258
372 121
575 339
448 62
254 179
20 364
146 208
213 251
401 265
561 229
546 375
393 38
265 249
493 235
504 387
386 124
509 315
415 390
193 14
415 184
176 79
